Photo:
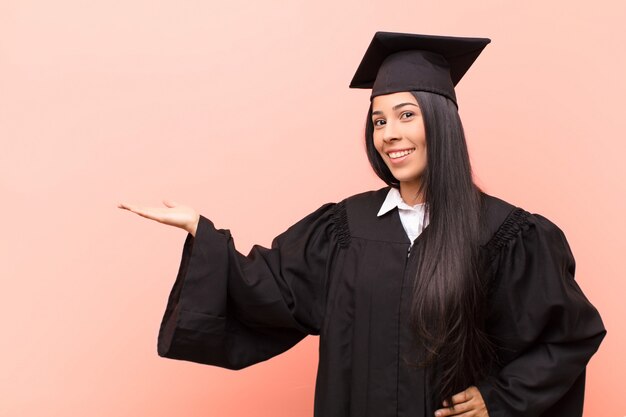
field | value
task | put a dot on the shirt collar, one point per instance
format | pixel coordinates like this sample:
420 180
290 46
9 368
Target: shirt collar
393 200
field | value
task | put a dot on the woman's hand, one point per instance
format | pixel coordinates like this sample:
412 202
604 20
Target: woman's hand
468 403
174 214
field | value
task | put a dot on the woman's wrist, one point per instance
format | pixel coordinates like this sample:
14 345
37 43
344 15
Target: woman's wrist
193 228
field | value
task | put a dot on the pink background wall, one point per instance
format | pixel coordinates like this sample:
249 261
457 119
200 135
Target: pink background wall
241 109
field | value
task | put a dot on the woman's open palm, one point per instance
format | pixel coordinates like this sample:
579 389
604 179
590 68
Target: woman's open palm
173 214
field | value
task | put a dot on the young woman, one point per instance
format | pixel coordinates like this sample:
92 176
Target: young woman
430 296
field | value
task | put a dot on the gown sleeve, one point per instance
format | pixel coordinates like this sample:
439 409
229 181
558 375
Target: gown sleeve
232 311
544 327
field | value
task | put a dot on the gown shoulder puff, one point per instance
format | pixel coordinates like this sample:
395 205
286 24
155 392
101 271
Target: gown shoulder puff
543 327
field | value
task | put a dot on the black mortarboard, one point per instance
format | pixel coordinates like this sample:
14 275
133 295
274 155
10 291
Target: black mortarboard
406 62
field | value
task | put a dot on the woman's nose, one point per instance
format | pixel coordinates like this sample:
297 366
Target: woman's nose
390 133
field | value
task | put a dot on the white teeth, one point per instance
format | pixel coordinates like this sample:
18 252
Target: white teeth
394 155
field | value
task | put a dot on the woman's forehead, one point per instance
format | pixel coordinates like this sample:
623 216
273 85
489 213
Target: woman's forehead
388 101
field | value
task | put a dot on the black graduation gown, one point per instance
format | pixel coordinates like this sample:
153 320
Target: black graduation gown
345 274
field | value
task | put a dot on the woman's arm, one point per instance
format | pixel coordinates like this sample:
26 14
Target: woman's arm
545 329
233 310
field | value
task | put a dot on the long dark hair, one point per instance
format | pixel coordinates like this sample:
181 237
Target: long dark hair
449 296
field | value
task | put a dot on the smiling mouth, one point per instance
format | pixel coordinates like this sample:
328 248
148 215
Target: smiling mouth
400 154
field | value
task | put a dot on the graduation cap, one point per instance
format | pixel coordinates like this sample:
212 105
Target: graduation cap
409 62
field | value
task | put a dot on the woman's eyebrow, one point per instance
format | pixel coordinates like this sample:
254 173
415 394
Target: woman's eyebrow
396 107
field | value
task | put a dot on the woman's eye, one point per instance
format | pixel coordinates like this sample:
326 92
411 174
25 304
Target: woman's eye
407 114
379 122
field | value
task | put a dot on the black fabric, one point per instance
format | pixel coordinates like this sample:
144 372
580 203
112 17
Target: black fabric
345 274
397 62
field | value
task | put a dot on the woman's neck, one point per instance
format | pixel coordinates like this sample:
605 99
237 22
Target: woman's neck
410 193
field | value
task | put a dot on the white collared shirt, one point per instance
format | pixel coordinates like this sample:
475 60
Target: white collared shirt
412 217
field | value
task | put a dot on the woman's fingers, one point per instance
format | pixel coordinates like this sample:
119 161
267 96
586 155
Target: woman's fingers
135 209
457 410
147 212
170 203
465 404
461 397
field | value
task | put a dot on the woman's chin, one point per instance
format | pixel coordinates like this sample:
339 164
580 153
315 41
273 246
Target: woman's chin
406 178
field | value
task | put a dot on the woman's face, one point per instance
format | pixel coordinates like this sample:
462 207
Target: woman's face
400 136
